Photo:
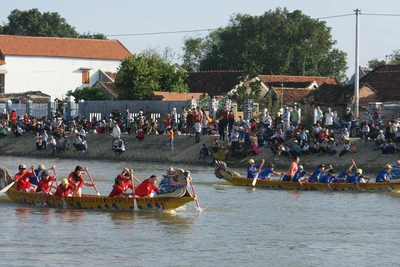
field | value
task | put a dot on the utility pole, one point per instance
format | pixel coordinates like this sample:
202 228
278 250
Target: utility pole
282 96
357 73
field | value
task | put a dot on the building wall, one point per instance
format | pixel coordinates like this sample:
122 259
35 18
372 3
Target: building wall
367 95
51 75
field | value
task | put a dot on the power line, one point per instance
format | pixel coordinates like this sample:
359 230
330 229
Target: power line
212 29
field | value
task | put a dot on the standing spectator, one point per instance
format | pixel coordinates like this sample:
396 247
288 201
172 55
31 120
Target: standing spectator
53 145
231 121
267 120
347 118
116 133
221 128
197 129
204 125
13 117
286 121
329 118
318 115
190 122
174 119
183 127
294 116
171 138
44 139
234 137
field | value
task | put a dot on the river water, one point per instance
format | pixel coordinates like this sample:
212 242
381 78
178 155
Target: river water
238 226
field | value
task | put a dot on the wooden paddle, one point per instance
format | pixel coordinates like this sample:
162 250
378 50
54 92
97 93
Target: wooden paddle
194 194
135 206
5 189
91 180
258 173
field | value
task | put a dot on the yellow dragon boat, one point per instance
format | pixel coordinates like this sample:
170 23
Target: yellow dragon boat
223 172
173 193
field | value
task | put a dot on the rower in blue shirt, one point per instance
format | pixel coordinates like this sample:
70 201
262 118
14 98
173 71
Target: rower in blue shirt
266 174
299 175
355 178
384 174
316 174
343 176
252 169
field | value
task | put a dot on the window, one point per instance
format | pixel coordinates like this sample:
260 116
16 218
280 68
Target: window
85 77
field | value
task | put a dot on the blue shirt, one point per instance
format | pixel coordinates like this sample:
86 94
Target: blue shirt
252 169
342 175
354 179
325 178
35 180
265 173
298 175
382 176
315 176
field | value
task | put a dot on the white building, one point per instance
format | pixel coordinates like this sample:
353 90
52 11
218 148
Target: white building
55 65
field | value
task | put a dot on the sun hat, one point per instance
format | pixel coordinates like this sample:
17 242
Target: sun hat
22 166
388 166
251 161
359 171
64 181
41 167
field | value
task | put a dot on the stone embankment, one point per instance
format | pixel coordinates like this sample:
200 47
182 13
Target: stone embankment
155 148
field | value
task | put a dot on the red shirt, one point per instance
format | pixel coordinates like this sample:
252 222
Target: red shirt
44 185
23 180
63 192
145 188
75 178
117 191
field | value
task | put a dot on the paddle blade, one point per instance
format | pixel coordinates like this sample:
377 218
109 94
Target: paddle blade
255 180
5 189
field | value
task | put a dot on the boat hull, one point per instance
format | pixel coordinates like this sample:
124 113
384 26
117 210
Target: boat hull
232 177
101 203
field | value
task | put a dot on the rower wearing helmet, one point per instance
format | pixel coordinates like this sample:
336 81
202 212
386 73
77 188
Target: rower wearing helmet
384 174
252 169
299 175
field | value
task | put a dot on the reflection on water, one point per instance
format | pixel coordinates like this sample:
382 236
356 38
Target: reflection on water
238 227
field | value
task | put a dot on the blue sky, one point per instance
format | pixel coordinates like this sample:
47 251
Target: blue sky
379 35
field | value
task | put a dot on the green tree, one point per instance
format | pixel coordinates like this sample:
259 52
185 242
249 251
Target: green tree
93 36
140 75
34 23
277 42
193 53
376 63
87 93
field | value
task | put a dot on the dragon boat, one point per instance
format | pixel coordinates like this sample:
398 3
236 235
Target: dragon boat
173 193
223 172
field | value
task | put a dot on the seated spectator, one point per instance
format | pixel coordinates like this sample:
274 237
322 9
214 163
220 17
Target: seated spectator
364 131
346 148
373 132
18 131
397 135
203 152
253 149
391 148
119 146
331 146
305 149
286 150
3 131
140 135
295 149
383 147
380 139
160 128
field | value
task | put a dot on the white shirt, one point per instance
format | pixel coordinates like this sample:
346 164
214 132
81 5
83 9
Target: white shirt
329 118
116 133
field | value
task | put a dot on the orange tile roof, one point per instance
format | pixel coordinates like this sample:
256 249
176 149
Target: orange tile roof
62 47
286 79
291 95
169 96
2 62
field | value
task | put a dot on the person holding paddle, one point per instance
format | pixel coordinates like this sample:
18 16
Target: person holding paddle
146 188
76 179
44 183
265 174
22 178
122 183
253 169
292 170
384 174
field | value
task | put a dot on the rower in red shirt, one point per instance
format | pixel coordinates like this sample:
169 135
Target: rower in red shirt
77 180
146 188
44 183
22 178
122 183
64 188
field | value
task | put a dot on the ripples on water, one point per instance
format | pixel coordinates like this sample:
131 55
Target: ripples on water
238 227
